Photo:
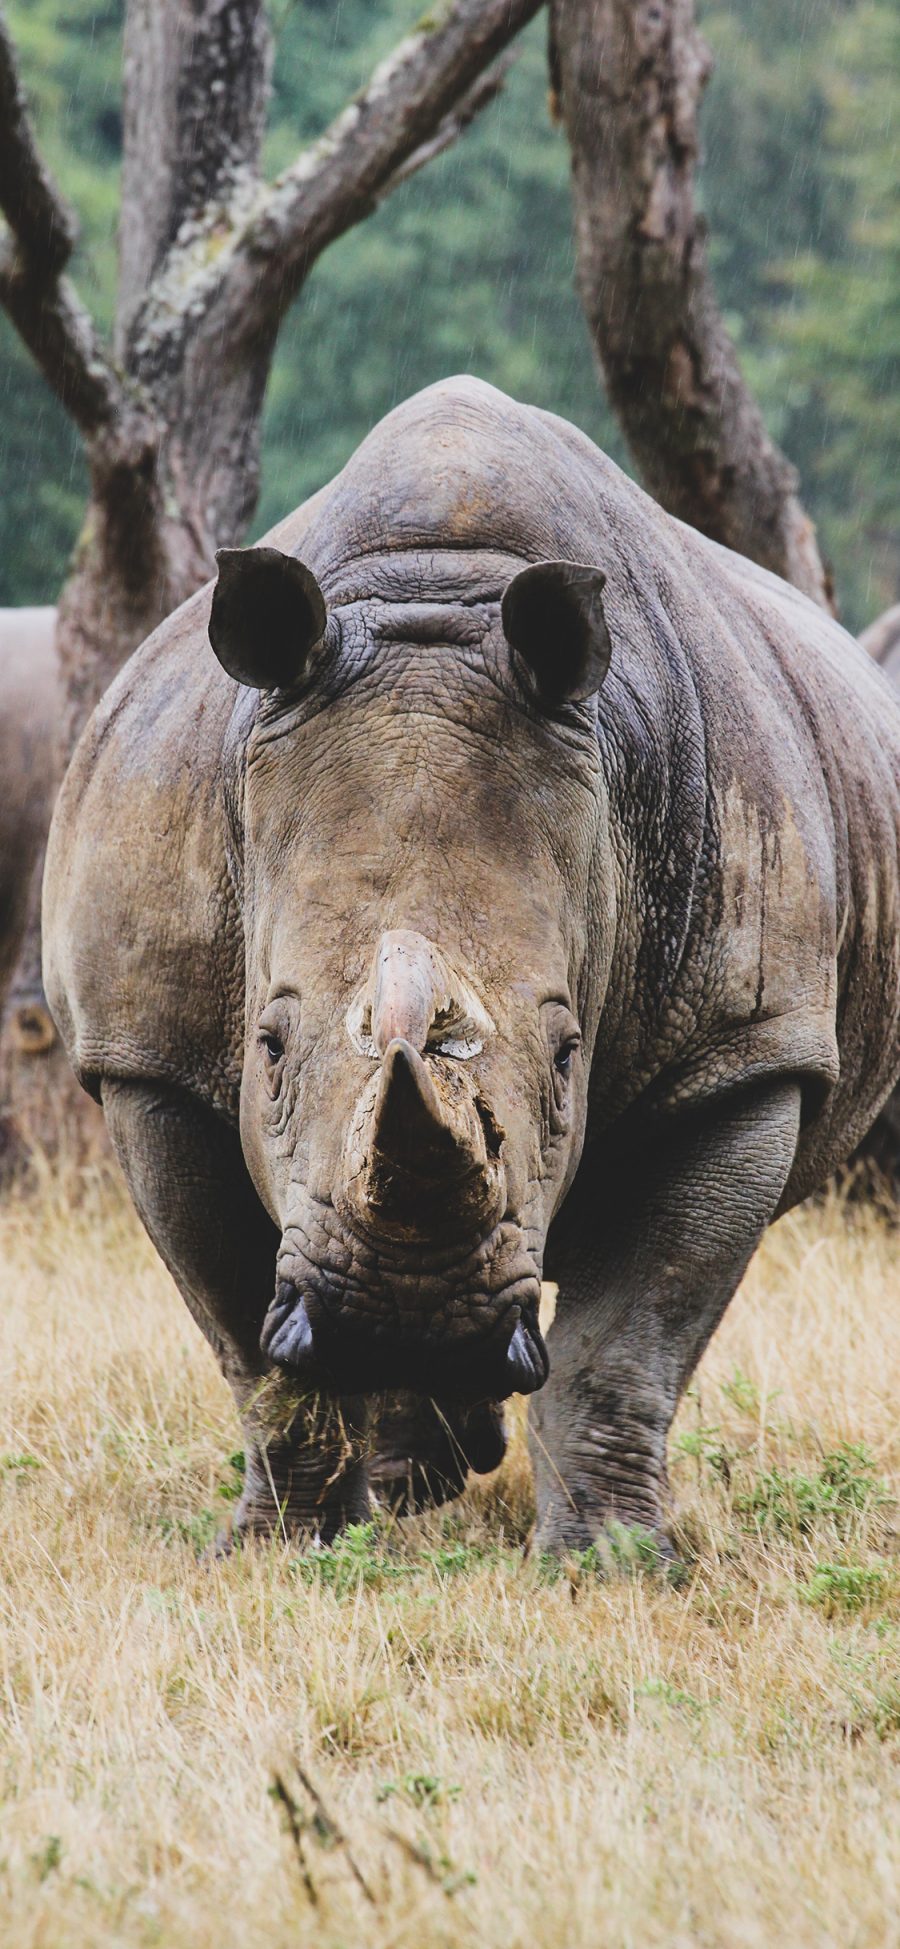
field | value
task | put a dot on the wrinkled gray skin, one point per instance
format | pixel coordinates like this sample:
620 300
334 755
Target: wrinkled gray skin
451 959
882 1143
29 715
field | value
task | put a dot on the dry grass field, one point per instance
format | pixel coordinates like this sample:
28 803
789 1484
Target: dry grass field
504 1754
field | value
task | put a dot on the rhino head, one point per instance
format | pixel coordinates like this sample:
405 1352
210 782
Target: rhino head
419 813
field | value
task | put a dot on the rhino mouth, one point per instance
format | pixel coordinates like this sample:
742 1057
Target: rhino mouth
361 1315
316 1344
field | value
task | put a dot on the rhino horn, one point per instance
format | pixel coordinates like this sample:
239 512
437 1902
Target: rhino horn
413 995
426 1146
408 1127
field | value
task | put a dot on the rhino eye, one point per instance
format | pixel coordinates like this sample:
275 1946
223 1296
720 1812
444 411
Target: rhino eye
562 1061
272 1045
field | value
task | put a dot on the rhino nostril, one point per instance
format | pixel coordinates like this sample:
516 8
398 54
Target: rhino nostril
494 1132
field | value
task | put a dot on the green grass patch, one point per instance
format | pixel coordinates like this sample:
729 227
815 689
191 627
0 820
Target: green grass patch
846 1587
845 1488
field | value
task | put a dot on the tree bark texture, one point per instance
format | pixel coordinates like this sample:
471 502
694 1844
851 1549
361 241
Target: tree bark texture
628 76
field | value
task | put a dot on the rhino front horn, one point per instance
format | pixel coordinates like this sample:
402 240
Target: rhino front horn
408 1128
431 1154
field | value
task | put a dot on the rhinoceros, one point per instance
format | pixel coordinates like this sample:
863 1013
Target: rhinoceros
511 891
29 716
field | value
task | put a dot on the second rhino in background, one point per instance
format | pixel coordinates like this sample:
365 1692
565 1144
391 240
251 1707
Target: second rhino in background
29 722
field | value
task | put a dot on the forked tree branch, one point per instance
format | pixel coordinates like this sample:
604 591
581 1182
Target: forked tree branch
341 178
414 105
62 339
41 303
29 199
211 256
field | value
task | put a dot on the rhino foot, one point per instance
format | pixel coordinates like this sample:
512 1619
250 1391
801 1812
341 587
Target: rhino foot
305 1465
423 1452
298 1510
617 1546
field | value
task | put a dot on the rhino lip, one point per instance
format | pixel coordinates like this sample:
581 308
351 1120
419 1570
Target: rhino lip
298 1336
527 1364
287 1335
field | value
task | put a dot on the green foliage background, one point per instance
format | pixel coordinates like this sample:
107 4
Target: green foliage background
470 266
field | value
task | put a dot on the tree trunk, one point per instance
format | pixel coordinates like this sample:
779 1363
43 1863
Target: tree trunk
628 75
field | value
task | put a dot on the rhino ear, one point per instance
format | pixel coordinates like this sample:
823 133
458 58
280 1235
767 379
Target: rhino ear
553 618
268 613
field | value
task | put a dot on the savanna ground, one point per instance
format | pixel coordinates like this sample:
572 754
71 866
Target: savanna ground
505 1753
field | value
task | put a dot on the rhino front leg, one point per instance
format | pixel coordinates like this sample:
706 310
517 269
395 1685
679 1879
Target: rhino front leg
644 1280
305 1456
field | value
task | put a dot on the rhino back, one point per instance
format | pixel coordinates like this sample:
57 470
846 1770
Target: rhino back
754 759
882 642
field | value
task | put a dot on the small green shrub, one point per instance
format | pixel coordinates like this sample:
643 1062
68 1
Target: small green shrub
199 1530
742 1392
663 1693
231 1486
623 1549
835 1587
872 1691
48 1859
844 1488
355 1557
704 1445
18 1464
